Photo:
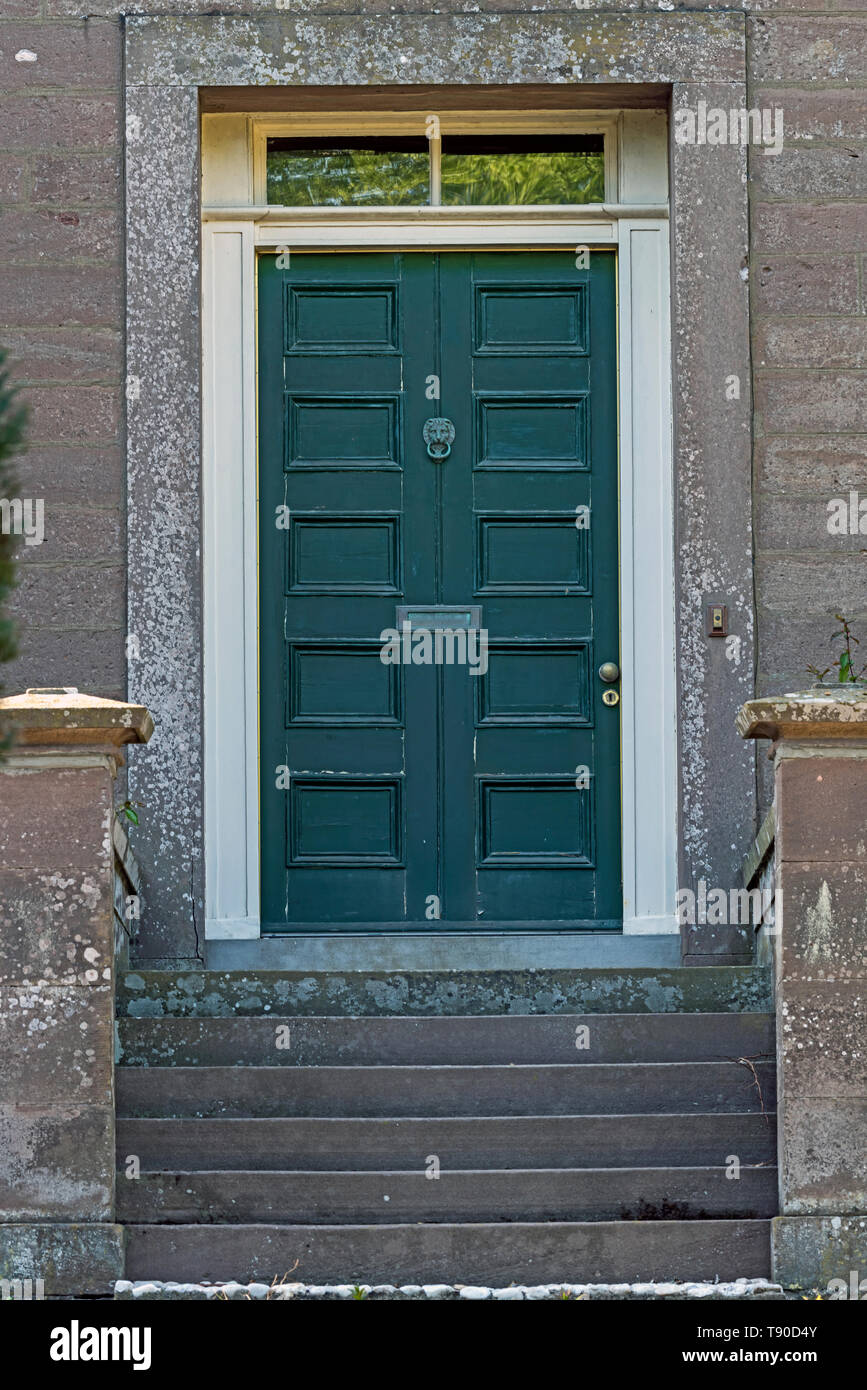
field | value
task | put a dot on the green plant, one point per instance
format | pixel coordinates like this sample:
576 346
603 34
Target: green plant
128 810
844 662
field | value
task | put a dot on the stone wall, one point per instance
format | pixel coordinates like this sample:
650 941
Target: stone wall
809 334
61 317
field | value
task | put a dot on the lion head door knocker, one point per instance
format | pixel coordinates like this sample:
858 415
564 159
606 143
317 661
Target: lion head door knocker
438 435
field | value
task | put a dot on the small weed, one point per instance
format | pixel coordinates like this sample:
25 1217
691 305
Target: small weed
845 662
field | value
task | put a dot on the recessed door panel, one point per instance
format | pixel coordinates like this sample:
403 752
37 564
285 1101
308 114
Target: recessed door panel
338 432
323 319
519 430
334 554
531 319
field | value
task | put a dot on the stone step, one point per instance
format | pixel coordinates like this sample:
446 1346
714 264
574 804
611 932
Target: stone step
447 950
492 1254
212 993
342 1041
552 1141
554 1194
558 1089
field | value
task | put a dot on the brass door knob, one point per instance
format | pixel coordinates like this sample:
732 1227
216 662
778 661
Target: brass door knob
609 671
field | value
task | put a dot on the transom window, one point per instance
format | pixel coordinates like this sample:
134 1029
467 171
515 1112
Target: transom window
434 167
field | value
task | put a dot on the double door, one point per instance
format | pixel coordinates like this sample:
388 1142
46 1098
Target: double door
438 543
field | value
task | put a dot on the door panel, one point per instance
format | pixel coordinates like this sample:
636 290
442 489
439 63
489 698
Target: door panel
412 790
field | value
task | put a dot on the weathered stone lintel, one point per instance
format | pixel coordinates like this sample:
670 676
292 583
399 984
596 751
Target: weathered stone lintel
364 49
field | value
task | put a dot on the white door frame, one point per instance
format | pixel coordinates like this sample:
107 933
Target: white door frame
236 226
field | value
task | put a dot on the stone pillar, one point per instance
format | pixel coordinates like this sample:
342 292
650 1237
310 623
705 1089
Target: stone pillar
819 750
57 987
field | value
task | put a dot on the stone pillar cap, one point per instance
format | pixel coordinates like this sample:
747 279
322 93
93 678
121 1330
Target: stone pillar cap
825 712
59 716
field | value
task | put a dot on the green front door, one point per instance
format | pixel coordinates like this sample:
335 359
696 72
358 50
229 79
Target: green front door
435 749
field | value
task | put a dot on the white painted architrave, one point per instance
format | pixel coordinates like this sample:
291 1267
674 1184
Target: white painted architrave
230 569
233 231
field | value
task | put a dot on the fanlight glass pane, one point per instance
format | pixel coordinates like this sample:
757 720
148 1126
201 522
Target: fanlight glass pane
359 172
523 169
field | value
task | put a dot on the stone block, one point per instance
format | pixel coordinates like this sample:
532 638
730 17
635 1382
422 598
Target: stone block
813 343
78 535
823 114
55 818
68 597
800 523
821 1028
22 9
68 56
58 296
73 1259
811 49
71 473
55 926
717 945
57 1044
49 236
825 464
820 809
85 356
825 920
74 414
92 660
807 1252
335 49
58 121
82 180
790 584
806 284
809 401
822 1147
56 1164
805 172
796 227
57 937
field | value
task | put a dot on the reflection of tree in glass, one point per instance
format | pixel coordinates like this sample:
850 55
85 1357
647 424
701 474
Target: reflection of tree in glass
393 178
357 177
523 178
